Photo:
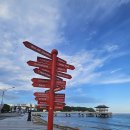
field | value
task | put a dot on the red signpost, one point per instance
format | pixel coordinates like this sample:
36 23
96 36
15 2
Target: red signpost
50 68
41 85
38 64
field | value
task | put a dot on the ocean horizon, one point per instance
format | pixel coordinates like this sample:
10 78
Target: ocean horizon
118 121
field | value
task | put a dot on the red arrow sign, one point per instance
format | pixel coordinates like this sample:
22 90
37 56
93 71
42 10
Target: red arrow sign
38 80
58 108
60 95
47 103
61 60
42 102
41 51
59 99
61 69
47 61
59 88
56 89
43 73
37 49
61 82
38 64
43 94
64 75
45 99
41 98
45 69
41 85
40 94
67 66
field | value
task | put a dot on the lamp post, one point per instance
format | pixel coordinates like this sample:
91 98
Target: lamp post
3 93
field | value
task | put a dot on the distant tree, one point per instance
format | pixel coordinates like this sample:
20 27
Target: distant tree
91 110
68 108
6 108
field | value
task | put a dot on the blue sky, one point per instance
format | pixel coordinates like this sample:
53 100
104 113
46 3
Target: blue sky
93 35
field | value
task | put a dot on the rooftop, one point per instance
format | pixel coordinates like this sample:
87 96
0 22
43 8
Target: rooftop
101 106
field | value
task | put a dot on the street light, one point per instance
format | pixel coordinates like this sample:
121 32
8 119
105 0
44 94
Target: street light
3 93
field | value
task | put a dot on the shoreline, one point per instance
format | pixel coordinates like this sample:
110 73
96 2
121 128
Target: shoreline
8 115
38 120
4 115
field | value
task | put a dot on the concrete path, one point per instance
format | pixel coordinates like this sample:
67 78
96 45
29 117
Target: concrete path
20 123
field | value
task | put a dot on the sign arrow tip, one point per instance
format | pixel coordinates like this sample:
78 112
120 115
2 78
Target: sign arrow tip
26 43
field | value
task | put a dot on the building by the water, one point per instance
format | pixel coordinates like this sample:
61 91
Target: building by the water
102 111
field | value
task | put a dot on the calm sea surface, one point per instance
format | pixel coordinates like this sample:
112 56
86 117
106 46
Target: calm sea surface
116 122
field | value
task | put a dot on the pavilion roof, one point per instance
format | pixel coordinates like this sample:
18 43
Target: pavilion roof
101 106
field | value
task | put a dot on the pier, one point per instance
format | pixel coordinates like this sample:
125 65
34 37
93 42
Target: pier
79 114
101 112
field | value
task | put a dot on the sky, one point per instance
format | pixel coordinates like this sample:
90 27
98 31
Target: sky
92 35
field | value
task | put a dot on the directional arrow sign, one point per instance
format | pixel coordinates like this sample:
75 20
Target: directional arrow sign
45 69
41 51
61 69
59 99
43 73
41 98
41 85
37 49
59 88
38 80
42 102
47 61
60 79
61 95
56 89
41 94
64 75
60 82
67 66
56 108
44 99
38 64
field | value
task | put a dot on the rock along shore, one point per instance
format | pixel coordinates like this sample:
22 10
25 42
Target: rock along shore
38 120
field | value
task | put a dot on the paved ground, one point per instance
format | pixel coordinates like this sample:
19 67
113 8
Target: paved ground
20 123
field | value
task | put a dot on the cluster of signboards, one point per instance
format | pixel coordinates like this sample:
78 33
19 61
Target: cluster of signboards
44 67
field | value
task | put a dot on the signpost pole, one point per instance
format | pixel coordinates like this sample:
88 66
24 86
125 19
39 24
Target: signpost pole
51 93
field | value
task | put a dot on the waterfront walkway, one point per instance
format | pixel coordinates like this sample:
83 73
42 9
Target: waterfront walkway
20 123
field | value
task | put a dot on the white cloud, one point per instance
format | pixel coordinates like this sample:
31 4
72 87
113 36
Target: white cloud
42 24
111 48
4 11
117 80
4 86
89 65
116 70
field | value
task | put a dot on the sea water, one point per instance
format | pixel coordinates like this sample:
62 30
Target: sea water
116 122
